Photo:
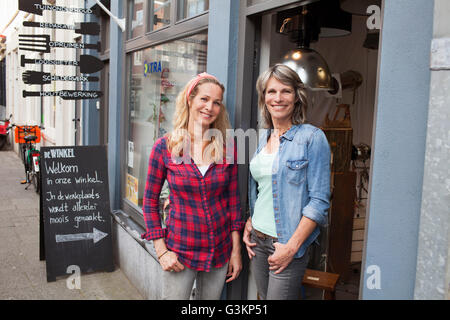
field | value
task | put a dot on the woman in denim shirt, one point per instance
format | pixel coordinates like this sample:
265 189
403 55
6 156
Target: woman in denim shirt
289 187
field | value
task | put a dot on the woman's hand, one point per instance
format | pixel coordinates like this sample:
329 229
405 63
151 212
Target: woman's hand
246 238
281 258
167 259
284 253
234 266
169 262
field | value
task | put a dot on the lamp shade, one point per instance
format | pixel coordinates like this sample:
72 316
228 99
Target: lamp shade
334 22
311 67
358 7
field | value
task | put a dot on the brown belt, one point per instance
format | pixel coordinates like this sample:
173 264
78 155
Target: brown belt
263 236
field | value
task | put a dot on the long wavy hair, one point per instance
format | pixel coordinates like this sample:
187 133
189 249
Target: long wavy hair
289 77
179 139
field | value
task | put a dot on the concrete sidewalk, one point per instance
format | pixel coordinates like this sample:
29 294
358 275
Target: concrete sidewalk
22 275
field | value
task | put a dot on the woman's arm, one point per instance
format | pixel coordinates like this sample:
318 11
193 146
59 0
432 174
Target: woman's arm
246 238
156 176
235 264
318 177
234 206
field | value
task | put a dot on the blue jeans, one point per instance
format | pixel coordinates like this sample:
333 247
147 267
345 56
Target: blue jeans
179 285
283 286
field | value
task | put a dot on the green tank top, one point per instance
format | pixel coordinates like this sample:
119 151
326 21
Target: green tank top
263 218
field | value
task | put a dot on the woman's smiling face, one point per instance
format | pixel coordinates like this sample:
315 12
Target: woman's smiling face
205 106
280 100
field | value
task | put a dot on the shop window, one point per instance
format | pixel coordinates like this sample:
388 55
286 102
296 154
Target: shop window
136 26
191 8
156 76
159 14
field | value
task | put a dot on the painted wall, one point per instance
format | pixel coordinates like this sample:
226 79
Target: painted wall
222 47
115 98
91 114
398 151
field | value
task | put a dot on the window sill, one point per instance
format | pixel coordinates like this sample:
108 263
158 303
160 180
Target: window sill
134 230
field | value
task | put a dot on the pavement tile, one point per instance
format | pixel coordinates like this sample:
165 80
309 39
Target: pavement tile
5 223
26 203
58 291
28 213
27 294
6 205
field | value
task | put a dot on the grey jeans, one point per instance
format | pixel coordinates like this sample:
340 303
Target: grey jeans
283 286
179 285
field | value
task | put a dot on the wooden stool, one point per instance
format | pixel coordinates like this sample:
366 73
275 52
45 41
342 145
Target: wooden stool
322 280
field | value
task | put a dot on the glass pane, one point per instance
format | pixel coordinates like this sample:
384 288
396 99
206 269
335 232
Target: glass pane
156 77
190 8
135 18
159 14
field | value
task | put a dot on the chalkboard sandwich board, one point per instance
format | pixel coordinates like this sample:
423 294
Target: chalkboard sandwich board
76 210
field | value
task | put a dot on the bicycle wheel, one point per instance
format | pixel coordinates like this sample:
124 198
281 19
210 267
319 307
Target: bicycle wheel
2 142
37 181
30 170
22 152
35 172
26 166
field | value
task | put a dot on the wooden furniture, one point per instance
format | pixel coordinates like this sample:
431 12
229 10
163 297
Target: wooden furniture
321 280
339 133
345 122
326 281
341 223
340 140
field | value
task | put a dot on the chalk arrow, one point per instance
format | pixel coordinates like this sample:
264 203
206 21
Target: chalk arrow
96 235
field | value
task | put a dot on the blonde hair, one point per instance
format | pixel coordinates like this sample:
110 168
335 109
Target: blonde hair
179 138
289 77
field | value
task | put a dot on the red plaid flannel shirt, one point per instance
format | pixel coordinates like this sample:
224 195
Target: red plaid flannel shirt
204 210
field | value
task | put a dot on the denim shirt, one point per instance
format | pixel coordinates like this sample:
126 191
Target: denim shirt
300 181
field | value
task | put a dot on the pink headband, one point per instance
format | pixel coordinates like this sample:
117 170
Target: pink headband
195 82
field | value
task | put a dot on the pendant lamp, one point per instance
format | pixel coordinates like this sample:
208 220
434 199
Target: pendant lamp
311 67
358 7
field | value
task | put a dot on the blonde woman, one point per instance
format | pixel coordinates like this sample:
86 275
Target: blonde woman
201 241
289 187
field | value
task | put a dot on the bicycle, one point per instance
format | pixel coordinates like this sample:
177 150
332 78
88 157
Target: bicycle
27 137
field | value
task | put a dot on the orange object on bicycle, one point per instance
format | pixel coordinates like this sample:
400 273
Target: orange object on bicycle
21 132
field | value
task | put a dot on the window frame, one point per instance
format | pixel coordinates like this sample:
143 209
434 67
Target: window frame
147 6
176 30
